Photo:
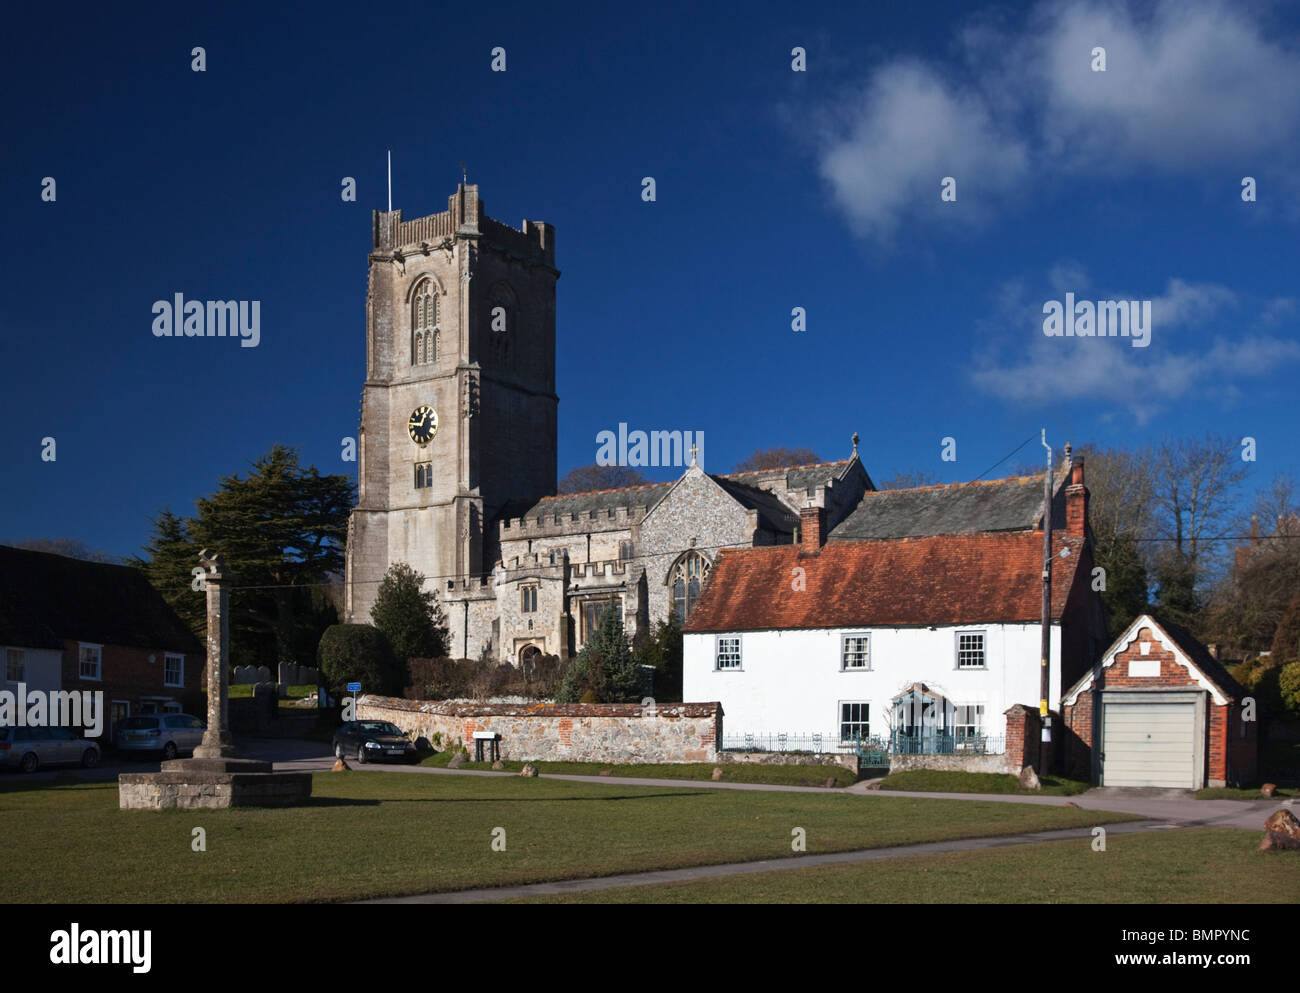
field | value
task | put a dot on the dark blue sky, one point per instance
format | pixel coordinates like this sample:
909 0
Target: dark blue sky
776 189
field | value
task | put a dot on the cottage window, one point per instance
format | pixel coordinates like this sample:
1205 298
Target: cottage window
855 720
855 652
728 656
968 721
14 665
90 657
970 650
173 670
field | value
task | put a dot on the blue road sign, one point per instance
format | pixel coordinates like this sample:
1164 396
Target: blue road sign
354 687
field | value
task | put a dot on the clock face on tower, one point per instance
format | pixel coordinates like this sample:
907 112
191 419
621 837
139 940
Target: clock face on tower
423 425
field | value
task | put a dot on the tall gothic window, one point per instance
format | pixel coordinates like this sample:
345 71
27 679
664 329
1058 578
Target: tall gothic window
503 312
424 324
687 579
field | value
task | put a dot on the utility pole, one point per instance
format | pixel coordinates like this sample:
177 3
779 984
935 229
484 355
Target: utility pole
1044 678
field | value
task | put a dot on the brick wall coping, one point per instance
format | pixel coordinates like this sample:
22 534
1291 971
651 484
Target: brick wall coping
540 709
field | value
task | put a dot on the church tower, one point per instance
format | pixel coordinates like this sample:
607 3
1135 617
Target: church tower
458 410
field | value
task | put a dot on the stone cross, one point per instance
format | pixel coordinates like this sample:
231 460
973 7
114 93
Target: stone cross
694 451
217 743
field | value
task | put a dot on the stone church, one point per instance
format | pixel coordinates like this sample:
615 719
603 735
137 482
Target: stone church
457 457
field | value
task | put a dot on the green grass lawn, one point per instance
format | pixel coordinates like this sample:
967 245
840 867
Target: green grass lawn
1242 793
785 775
1185 866
936 781
246 690
377 834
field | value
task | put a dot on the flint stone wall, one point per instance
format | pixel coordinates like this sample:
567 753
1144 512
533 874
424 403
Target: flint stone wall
574 732
956 763
845 761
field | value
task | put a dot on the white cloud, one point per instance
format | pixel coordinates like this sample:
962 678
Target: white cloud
1112 374
1194 86
943 132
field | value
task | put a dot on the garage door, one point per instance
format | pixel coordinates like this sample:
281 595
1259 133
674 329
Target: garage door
1149 744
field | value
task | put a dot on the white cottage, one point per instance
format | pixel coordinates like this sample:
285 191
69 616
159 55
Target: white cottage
918 620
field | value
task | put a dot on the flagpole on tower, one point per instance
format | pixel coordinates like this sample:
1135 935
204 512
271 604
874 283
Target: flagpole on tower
390 180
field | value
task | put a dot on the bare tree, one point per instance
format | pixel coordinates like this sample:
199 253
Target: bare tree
777 458
600 477
1277 507
1196 488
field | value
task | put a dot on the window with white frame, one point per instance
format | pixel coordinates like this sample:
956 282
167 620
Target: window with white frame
728 652
14 665
855 652
855 720
173 670
968 721
90 657
970 649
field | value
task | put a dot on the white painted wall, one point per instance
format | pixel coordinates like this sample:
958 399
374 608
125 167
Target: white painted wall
42 670
791 681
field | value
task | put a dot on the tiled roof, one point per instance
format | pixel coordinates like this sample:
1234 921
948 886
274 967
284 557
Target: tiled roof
1013 504
577 503
941 580
741 485
1192 647
46 598
773 513
1187 643
798 477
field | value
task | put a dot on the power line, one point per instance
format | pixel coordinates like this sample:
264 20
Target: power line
1003 459
714 548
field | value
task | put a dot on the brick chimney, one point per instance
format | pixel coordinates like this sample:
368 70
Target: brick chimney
1076 502
812 527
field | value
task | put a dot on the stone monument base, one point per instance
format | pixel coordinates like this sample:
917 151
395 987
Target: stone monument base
192 784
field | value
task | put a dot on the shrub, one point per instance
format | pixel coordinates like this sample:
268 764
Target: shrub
1286 639
604 669
409 616
1260 677
436 679
475 679
1288 681
358 653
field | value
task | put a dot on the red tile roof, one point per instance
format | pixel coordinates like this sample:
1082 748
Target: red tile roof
941 580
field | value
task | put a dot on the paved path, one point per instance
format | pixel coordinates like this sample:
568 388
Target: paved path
1082 835
1162 809
1179 808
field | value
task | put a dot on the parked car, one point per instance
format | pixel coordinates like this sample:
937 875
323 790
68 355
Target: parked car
29 748
170 734
372 741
